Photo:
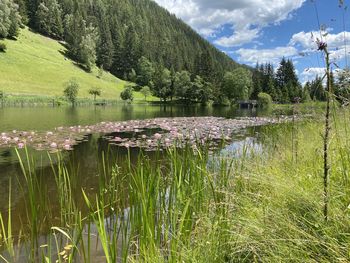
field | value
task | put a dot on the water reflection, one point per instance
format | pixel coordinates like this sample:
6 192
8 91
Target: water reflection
45 118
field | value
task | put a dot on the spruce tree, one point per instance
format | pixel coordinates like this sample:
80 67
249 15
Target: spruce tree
9 19
49 19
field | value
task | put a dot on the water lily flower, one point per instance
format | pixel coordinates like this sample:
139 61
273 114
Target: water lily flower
53 145
67 147
157 136
20 145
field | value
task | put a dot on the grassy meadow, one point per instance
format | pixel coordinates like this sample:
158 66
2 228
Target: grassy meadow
34 68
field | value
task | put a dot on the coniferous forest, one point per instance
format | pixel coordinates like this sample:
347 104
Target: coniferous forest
139 41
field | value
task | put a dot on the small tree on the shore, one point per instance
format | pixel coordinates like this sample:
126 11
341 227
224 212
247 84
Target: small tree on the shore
71 91
96 92
146 91
264 100
127 94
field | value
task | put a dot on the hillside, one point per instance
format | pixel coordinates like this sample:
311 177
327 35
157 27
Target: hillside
133 40
120 32
35 65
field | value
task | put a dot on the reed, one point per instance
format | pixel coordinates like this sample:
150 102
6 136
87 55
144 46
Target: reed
260 203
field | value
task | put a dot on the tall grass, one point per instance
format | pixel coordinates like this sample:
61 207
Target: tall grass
191 205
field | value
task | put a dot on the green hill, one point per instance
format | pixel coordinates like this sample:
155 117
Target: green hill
36 65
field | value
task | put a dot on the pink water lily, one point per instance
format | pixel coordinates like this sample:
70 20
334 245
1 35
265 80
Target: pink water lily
157 136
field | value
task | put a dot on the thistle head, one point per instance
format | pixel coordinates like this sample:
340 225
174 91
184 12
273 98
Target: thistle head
321 45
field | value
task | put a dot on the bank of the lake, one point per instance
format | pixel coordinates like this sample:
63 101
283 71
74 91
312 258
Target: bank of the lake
260 203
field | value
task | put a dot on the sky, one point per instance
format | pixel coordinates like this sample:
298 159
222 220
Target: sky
252 31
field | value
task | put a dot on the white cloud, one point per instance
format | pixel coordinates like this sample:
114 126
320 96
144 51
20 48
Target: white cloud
208 16
311 73
337 43
307 40
274 55
238 38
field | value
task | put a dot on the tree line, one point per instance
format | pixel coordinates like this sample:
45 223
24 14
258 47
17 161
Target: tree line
139 41
115 34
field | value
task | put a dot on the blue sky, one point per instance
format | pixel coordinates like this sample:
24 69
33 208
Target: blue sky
262 31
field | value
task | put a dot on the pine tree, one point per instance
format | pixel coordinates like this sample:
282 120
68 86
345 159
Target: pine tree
9 19
105 48
49 19
287 81
257 82
131 52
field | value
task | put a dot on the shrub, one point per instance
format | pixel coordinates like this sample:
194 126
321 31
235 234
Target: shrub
127 94
146 91
71 91
96 92
264 100
3 47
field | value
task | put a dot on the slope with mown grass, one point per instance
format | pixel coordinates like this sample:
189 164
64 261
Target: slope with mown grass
36 65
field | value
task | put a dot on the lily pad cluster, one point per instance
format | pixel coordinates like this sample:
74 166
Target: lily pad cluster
149 134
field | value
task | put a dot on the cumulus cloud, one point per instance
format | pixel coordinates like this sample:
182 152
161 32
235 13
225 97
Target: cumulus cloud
337 43
273 55
238 38
208 16
311 73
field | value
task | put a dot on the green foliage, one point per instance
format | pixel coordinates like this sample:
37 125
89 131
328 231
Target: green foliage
306 93
95 91
316 89
49 18
10 19
146 91
145 71
342 86
127 94
3 47
2 97
124 32
132 76
237 84
183 85
264 100
287 81
81 40
71 91
162 83
58 70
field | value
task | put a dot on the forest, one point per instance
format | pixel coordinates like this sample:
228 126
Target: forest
139 41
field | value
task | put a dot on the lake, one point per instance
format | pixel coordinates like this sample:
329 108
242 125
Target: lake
86 156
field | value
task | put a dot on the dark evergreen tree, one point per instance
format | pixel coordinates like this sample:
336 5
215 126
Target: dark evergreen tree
317 90
9 19
131 50
105 47
257 79
49 18
287 81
